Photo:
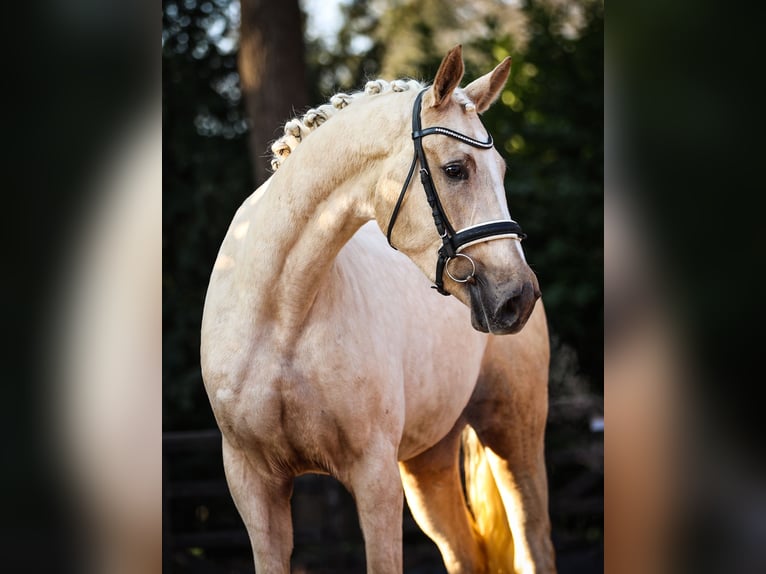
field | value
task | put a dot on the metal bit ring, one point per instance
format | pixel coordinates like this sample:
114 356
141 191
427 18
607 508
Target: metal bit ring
455 279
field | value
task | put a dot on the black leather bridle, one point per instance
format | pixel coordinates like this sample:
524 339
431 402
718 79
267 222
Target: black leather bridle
452 241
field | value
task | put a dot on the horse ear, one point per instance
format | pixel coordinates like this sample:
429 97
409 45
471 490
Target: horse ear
448 77
485 90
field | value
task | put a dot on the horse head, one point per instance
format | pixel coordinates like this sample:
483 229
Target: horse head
460 232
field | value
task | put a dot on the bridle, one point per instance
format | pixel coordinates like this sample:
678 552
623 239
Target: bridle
452 241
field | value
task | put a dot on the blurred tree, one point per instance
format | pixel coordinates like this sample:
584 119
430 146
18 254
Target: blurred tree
272 72
409 38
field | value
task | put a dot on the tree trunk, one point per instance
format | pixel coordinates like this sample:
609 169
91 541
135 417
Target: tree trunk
272 72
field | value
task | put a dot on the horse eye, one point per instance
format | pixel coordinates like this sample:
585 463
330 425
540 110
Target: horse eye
455 171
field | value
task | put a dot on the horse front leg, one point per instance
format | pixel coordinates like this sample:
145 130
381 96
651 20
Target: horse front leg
376 486
263 501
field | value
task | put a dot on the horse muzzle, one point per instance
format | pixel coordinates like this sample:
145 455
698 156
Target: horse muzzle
502 309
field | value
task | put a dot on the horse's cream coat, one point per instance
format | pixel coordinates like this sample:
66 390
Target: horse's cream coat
324 350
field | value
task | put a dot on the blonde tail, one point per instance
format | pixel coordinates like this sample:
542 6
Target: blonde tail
486 505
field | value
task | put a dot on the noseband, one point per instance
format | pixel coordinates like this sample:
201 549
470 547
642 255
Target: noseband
452 241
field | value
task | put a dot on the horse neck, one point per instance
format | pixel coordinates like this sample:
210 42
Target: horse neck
312 207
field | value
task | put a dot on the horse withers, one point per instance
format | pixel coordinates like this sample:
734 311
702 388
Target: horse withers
325 351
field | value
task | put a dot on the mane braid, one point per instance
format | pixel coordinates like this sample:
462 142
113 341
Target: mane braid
297 129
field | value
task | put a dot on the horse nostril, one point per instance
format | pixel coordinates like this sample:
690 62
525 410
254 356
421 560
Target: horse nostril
520 299
509 306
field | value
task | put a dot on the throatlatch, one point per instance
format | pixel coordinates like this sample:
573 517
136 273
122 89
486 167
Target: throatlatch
452 241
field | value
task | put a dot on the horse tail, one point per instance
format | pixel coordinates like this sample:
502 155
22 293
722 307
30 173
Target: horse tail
486 505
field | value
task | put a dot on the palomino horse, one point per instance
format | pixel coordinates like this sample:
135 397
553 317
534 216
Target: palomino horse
325 351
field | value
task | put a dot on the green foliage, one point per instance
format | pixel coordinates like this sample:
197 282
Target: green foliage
550 123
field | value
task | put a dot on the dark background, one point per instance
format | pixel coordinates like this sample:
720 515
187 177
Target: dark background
231 76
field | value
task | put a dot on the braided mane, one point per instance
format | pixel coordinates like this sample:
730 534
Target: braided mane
297 129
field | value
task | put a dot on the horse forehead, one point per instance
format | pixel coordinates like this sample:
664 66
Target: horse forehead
462 100
461 116
460 109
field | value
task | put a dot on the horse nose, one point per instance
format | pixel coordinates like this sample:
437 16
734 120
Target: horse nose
517 301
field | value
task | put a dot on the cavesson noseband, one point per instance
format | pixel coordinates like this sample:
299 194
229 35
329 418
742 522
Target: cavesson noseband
452 241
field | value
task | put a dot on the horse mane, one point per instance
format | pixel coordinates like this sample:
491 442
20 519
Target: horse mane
299 128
